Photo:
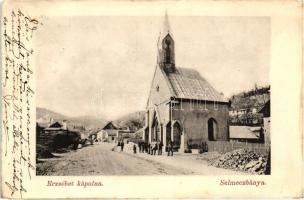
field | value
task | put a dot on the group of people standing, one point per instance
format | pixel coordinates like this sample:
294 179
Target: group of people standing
121 144
155 147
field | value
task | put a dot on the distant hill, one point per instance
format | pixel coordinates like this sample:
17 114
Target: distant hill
43 116
45 113
133 121
255 98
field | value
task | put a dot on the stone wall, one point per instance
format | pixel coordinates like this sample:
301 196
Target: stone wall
194 117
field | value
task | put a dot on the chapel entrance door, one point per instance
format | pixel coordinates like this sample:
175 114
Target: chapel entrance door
177 132
212 129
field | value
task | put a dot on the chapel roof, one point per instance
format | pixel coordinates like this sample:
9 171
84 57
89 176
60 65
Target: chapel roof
187 83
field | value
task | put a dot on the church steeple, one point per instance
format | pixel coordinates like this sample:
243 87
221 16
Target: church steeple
166 54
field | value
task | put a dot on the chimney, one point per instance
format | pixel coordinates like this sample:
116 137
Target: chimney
64 125
50 121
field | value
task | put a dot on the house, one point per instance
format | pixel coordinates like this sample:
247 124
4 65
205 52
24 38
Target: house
99 135
110 132
55 128
245 116
95 135
125 135
182 105
265 110
238 112
59 134
246 134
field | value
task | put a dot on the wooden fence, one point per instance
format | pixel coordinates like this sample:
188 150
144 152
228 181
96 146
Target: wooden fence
226 146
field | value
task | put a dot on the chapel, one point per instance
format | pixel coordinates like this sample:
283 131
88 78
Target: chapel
182 106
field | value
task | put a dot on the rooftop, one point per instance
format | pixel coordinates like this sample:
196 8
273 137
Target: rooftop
189 84
245 132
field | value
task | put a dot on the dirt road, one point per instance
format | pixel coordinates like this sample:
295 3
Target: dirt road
100 160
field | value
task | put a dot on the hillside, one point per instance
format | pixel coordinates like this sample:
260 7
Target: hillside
133 121
254 98
44 115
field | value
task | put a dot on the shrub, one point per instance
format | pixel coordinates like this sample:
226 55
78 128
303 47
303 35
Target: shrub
65 140
43 152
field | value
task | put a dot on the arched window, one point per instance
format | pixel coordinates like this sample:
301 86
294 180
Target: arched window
155 129
212 129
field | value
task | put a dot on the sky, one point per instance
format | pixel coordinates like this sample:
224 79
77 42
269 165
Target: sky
103 66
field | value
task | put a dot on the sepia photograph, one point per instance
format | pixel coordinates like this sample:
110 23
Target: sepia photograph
151 99
153 95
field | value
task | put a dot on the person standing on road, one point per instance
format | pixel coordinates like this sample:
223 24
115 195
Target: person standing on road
160 148
139 146
170 148
154 147
149 148
122 145
145 147
157 147
134 148
142 146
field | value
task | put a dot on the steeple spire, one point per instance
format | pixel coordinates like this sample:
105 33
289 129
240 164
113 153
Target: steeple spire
166 26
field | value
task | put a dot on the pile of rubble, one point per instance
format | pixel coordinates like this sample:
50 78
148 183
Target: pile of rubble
243 160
